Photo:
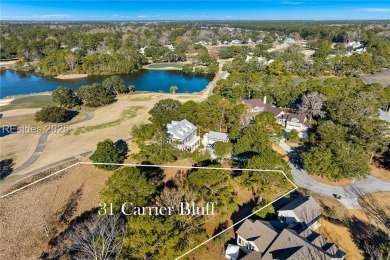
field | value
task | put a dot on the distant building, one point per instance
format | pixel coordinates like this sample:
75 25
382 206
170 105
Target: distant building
170 47
293 121
289 40
74 49
184 134
270 240
289 120
258 106
142 50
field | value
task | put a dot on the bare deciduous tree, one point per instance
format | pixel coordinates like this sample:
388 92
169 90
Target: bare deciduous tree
99 238
312 105
70 60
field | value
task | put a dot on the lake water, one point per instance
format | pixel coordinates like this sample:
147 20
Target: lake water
21 83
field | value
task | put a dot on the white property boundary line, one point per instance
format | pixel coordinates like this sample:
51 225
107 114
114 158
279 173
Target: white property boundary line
172 166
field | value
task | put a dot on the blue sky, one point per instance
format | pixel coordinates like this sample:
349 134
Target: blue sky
195 10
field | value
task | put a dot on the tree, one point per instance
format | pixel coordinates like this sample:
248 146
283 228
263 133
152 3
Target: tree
293 135
65 97
264 184
112 82
157 153
106 152
312 105
131 88
128 184
95 95
265 213
165 111
275 68
222 150
254 140
98 238
188 68
71 61
215 186
52 114
173 89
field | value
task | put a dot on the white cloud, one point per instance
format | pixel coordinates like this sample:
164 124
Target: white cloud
14 17
292 3
52 16
378 10
148 16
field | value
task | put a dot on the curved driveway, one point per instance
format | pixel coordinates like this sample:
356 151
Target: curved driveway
349 193
42 142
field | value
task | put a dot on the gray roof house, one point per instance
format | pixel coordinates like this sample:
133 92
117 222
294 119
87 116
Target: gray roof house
304 210
269 240
257 234
258 106
212 137
184 133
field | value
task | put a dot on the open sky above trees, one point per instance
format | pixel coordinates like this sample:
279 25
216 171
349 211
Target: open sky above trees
196 10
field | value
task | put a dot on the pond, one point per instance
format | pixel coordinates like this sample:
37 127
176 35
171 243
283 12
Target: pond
22 83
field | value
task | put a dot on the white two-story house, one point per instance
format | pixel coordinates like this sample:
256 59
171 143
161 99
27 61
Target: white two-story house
184 133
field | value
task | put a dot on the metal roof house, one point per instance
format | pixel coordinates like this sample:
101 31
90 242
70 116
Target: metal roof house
184 133
212 137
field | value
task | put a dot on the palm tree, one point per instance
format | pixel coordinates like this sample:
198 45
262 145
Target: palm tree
173 89
131 88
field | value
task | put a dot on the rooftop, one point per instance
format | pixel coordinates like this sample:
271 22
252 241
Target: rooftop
217 135
262 233
180 130
305 208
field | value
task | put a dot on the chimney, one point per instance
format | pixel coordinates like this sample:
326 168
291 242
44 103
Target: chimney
265 99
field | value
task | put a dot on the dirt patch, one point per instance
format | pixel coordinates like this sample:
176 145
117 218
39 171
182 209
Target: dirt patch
72 76
376 207
380 172
279 150
171 172
324 180
28 215
341 236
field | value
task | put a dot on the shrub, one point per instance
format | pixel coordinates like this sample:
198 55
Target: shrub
293 135
107 152
53 114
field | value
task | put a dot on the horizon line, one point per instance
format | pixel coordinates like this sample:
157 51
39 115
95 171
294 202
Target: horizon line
200 20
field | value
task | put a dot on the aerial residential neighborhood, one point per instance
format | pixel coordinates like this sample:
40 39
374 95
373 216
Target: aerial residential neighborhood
253 130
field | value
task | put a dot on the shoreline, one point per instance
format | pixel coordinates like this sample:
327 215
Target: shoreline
71 76
47 93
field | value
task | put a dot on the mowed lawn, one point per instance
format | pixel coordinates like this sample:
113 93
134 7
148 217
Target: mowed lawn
166 65
38 101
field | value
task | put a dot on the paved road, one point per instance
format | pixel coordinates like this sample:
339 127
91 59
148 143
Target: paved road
42 142
223 75
349 193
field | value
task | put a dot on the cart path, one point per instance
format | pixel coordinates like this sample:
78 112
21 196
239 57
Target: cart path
42 142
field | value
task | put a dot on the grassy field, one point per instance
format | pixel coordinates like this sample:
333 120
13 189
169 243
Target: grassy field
166 65
28 102
127 114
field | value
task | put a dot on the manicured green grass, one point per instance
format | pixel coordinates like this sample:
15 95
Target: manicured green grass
38 101
140 98
166 65
127 114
